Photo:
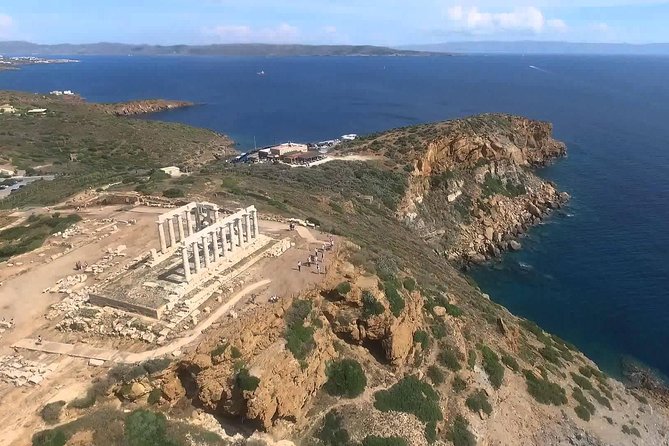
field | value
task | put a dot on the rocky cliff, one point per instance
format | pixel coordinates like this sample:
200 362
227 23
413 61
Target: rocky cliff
471 190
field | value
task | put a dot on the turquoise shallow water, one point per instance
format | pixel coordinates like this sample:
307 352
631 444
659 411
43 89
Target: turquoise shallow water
596 274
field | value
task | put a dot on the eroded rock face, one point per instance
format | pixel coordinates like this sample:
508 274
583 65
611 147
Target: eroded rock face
471 185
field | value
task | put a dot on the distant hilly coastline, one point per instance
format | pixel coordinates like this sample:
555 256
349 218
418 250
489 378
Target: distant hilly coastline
537 47
251 49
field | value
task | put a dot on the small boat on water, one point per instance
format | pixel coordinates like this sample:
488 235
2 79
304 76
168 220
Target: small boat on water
261 73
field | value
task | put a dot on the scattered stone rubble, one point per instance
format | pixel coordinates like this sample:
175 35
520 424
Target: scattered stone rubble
20 372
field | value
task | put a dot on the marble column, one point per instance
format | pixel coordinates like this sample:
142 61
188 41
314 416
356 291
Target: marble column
231 231
238 223
189 223
170 230
186 262
205 245
215 210
247 229
214 239
180 227
224 243
161 236
196 257
255 224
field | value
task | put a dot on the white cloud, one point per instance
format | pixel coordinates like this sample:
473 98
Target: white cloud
330 29
525 19
601 27
6 25
283 33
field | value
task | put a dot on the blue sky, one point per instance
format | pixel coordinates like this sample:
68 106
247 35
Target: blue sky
383 22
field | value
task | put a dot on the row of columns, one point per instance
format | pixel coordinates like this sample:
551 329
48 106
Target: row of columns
196 216
213 242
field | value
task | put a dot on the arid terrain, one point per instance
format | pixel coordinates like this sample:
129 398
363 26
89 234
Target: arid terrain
381 339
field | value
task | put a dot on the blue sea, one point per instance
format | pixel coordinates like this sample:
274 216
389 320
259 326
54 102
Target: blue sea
595 274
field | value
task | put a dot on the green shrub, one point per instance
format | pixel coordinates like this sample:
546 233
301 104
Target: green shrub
449 359
127 373
583 401
550 354
409 284
431 432
154 396
51 412
371 306
459 433
343 288
395 299
601 399
245 381
421 337
631 430
471 359
492 366
299 338
55 437
478 401
84 402
510 362
453 310
459 384
582 412
235 353
345 378
438 330
410 395
156 365
435 374
146 428
373 440
536 331
640 398
219 350
581 381
332 434
543 390
174 192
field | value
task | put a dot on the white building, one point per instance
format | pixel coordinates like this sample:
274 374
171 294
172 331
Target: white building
7 109
288 147
172 171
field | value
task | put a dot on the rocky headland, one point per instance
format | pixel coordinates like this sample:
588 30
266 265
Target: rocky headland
142 107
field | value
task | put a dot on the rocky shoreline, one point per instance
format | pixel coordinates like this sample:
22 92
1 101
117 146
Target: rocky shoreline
499 221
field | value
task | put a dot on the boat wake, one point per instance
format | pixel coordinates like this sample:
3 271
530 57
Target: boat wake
538 69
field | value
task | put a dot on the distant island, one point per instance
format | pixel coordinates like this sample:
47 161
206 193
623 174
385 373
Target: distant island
13 63
251 49
538 47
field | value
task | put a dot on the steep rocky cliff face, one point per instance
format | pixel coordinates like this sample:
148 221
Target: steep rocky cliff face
471 190
142 107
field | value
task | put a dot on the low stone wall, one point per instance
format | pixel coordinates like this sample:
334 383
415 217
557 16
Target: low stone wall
102 301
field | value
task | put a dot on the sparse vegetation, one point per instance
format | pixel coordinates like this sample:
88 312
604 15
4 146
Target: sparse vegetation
459 384
343 289
345 378
395 299
510 362
174 192
373 440
410 395
631 431
28 237
245 381
492 366
409 284
459 433
478 401
421 337
332 433
435 374
371 306
471 359
51 412
299 338
449 359
543 390
601 399
581 381
146 428
585 408
154 396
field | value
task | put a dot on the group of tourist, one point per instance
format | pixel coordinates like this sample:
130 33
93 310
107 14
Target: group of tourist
317 259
